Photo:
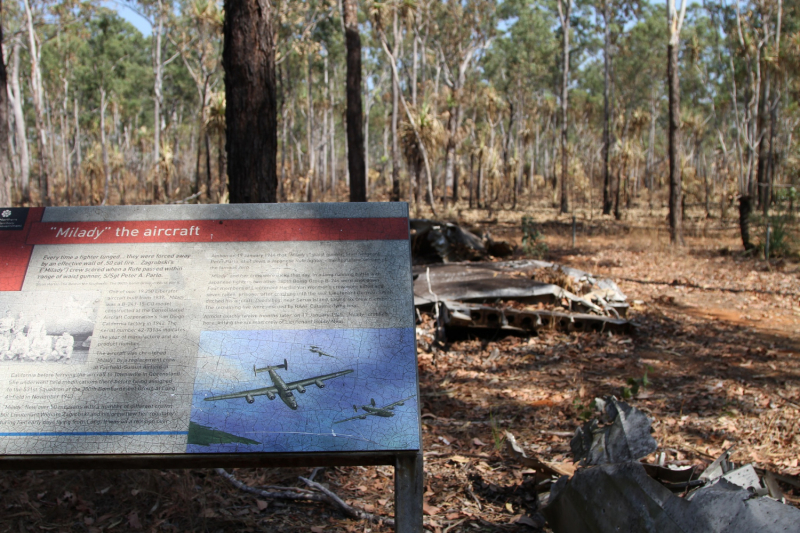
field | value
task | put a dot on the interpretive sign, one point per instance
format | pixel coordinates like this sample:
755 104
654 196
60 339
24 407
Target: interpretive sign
223 329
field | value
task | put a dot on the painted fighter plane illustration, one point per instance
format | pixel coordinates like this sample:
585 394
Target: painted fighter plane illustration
386 411
279 387
317 350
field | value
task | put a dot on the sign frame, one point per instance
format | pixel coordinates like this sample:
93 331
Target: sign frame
408 464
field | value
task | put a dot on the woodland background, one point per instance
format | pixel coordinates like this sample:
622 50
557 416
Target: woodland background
99 113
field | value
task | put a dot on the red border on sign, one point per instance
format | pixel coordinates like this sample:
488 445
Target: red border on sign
231 230
15 252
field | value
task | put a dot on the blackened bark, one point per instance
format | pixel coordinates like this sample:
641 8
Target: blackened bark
355 121
607 103
564 109
675 192
745 210
248 57
5 162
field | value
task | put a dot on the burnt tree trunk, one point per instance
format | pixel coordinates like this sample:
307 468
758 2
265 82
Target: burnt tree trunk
565 24
675 192
355 121
248 57
745 210
607 103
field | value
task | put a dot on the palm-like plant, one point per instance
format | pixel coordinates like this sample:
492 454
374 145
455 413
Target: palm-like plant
430 133
215 126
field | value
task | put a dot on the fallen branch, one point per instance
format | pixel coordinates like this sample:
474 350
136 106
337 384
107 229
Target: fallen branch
349 510
284 493
290 493
192 197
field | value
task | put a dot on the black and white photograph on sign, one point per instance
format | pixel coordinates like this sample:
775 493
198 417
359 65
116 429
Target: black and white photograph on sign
47 327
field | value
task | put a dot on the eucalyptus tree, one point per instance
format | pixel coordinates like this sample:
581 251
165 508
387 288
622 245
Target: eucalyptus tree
111 65
675 16
197 38
463 30
616 14
5 163
518 66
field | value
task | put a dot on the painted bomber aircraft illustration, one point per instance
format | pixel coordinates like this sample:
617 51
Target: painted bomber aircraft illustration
279 387
317 350
386 411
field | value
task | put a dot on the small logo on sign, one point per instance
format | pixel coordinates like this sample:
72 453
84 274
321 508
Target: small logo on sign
6 213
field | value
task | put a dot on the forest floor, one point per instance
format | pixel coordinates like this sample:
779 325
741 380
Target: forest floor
717 337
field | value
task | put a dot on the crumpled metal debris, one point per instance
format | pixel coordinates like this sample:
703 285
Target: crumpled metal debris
550 469
433 241
462 315
625 437
622 497
454 285
481 282
444 242
619 494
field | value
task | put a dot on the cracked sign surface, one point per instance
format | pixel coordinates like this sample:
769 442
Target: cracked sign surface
207 329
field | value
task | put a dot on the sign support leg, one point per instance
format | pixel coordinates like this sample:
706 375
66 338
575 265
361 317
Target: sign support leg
408 493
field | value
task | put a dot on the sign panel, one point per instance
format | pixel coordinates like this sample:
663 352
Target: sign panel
207 329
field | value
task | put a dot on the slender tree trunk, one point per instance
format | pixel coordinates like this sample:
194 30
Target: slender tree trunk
77 142
370 188
565 25
763 147
395 196
251 112
471 178
356 163
332 130
608 102
66 155
312 153
208 164
157 98
479 183
745 210
651 145
675 192
414 66
6 177
36 90
103 145
450 149
325 145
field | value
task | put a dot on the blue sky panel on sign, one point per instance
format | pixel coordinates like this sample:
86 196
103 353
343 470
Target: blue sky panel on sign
305 391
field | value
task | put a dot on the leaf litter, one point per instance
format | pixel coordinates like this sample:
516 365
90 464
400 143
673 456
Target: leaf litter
716 338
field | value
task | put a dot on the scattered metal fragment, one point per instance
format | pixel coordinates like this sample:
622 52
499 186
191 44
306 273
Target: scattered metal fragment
618 493
433 241
462 315
625 437
547 468
481 282
622 497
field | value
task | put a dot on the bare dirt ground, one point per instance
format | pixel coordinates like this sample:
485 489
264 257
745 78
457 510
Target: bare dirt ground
717 338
